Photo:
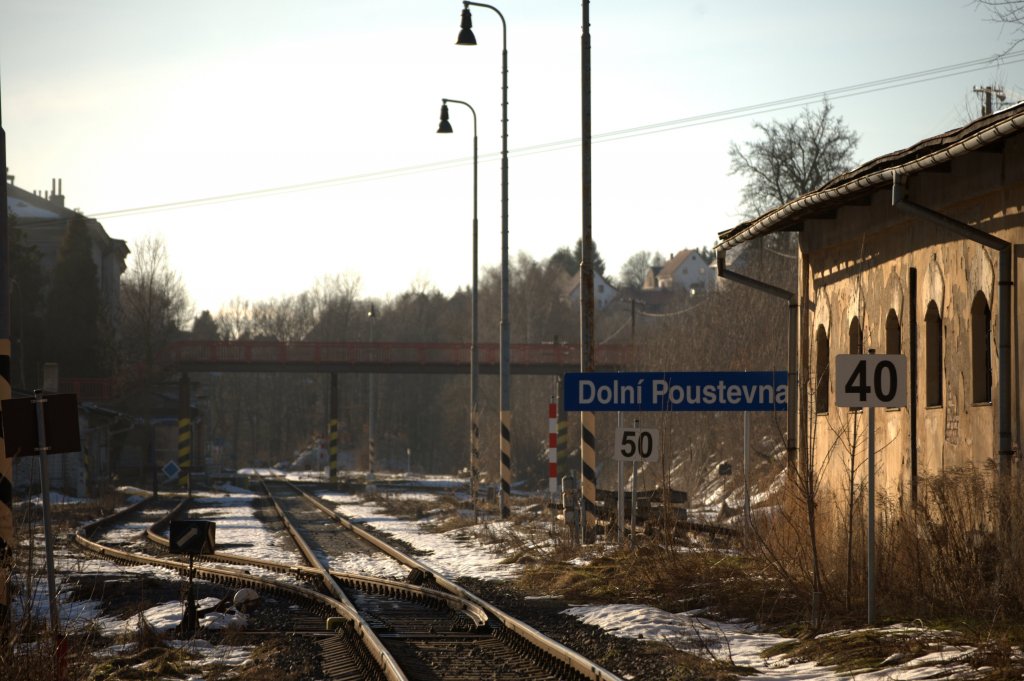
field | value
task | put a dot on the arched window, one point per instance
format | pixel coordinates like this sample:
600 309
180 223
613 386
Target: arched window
856 342
856 337
821 371
981 349
893 341
933 356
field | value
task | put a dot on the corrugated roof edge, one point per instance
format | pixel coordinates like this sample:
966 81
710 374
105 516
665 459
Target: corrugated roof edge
925 154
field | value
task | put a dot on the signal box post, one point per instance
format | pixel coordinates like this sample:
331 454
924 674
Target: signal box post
192 538
42 425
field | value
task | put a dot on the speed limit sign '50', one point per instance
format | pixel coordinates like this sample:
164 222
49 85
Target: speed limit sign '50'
637 444
871 381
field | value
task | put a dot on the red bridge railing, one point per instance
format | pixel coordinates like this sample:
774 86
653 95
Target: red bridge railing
380 356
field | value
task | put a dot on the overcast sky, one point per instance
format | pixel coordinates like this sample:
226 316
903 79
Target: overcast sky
322 115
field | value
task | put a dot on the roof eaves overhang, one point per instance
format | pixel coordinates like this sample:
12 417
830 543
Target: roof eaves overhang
790 214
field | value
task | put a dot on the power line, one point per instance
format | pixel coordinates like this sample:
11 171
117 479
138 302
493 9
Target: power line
858 89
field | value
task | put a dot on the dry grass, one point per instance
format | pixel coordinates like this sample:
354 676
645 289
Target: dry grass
417 508
953 556
724 583
861 650
959 553
951 563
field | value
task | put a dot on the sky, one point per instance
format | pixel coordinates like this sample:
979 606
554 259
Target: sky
453 554
274 145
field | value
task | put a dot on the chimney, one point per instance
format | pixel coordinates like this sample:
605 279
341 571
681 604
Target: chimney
57 192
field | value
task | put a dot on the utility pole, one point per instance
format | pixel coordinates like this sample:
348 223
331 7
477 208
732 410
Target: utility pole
988 91
588 439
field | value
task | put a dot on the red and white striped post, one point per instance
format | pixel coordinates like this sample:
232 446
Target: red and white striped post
553 450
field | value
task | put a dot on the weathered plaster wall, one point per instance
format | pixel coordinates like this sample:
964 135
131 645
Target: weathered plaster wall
858 264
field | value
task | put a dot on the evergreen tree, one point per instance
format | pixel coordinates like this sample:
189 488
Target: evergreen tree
564 260
205 328
570 260
75 316
27 304
577 253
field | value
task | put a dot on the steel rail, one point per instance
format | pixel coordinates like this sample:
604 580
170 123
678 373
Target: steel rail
558 651
452 594
365 582
373 584
383 656
342 608
307 551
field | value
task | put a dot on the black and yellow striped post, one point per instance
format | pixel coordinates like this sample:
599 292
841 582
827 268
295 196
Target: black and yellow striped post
6 465
588 487
184 435
505 494
332 429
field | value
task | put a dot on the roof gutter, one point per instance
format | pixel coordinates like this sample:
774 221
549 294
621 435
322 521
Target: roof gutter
791 369
963 230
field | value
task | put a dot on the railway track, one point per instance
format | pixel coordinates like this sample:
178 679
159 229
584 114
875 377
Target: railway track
413 625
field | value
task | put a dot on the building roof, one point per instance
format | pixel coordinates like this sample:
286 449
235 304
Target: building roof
574 283
673 263
878 173
46 214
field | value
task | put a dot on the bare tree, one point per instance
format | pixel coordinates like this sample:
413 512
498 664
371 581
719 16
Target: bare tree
634 270
154 302
1010 12
793 158
335 301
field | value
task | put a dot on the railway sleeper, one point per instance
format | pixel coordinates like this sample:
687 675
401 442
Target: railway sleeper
545 660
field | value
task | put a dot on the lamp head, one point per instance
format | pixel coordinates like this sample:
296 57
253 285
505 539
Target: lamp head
445 126
466 36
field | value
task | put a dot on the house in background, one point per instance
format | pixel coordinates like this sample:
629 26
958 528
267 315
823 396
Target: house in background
604 292
684 271
43 219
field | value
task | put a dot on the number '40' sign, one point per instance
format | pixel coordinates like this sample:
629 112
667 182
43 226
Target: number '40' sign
637 444
871 381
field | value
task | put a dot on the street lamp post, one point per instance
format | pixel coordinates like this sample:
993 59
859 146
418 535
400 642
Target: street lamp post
466 37
474 370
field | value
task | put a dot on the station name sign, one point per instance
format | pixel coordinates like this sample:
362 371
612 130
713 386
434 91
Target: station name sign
676 391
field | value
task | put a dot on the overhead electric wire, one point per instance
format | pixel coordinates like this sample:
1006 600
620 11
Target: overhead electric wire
868 87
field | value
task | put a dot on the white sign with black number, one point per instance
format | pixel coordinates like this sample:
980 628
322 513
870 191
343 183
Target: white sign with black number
871 381
637 444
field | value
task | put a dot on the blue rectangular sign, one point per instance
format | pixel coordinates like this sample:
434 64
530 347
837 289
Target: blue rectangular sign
676 391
